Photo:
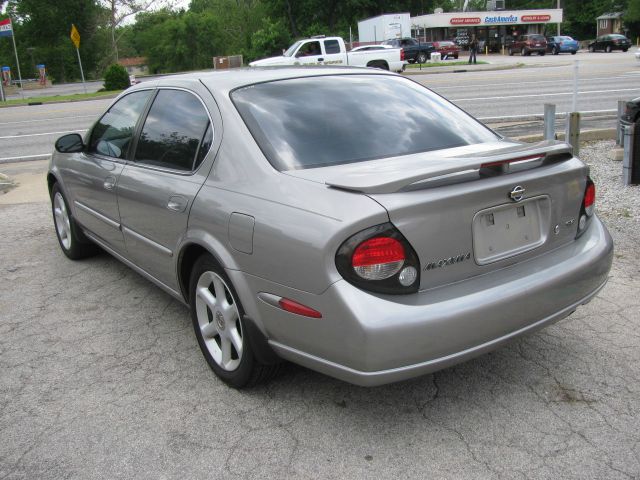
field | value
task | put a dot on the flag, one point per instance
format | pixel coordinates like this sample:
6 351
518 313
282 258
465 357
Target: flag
5 28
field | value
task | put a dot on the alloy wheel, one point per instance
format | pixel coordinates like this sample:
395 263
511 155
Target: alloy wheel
219 321
63 223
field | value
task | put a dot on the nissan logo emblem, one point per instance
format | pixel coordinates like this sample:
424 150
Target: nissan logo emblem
517 193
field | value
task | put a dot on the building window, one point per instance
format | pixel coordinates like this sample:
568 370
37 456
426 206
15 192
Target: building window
603 24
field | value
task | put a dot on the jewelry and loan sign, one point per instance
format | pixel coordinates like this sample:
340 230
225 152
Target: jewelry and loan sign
504 17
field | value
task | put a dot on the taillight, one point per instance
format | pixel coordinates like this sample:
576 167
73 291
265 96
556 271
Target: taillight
589 198
588 206
402 54
379 259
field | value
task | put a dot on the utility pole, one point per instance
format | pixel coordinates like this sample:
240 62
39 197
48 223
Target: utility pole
558 24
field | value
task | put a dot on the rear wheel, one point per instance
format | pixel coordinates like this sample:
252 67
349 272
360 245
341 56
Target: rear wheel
217 316
592 48
541 53
608 49
573 52
524 52
71 239
510 52
625 49
422 57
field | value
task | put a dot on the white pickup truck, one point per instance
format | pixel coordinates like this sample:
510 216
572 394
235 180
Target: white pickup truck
331 51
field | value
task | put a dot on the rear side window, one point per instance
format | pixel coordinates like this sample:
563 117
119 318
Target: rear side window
112 134
331 46
173 131
360 117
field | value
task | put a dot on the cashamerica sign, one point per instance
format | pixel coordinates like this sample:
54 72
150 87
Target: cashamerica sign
483 19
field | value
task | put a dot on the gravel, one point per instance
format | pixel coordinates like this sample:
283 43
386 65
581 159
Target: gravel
616 204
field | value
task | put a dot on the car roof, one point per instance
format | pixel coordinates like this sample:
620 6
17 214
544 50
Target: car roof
227 80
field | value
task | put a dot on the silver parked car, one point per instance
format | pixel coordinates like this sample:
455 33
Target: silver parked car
348 220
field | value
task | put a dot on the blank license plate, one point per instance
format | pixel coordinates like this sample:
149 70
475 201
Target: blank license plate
507 230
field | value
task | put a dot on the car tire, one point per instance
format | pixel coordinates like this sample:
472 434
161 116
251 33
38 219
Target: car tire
510 52
73 242
541 53
573 52
220 328
422 57
592 48
625 50
608 49
555 51
455 56
524 52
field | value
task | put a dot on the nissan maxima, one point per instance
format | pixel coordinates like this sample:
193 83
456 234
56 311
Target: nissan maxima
348 220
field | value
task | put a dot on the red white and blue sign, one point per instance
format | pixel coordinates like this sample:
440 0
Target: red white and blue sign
5 28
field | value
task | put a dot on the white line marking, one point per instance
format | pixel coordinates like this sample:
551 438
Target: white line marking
584 80
541 95
47 119
7 159
42 134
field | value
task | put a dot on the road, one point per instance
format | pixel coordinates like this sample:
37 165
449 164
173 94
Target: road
604 78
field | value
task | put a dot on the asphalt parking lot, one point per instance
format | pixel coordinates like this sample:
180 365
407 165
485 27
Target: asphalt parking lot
101 377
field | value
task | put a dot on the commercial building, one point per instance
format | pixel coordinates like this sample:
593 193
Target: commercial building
493 28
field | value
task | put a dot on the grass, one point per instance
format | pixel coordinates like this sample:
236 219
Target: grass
59 98
444 64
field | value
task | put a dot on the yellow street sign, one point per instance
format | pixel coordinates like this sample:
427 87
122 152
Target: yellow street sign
75 36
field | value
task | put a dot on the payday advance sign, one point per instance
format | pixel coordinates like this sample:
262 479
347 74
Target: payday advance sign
480 19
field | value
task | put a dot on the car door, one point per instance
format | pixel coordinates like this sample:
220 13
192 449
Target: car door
91 177
157 187
332 53
310 53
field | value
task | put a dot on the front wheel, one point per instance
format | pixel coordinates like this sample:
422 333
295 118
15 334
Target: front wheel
608 49
592 48
555 51
510 52
71 239
523 52
217 316
573 52
625 50
541 53
422 57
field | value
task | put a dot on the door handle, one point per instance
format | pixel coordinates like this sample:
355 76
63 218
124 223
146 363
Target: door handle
177 203
321 59
109 183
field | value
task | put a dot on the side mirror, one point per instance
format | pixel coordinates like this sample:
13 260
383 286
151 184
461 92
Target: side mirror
71 143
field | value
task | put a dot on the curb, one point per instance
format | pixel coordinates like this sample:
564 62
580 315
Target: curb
586 136
36 101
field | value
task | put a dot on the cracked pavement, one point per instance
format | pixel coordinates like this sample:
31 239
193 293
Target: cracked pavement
101 377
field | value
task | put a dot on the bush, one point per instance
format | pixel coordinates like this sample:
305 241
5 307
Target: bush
116 78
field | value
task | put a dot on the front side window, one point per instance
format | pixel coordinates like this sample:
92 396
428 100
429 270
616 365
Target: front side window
112 135
173 131
361 117
309 49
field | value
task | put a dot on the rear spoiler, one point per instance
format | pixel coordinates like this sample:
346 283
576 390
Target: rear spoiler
400 173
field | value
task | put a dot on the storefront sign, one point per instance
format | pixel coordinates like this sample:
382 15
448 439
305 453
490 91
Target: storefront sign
466 21
536 18
501 19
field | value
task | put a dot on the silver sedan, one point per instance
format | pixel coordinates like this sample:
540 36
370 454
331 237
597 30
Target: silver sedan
348 220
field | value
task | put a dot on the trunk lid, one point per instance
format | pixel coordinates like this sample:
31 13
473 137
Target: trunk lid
472 210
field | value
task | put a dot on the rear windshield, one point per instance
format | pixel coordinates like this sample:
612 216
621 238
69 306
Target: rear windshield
617 36
331 120
537 38
446 44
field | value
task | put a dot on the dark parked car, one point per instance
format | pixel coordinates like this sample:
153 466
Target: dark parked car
414 51
609 43
526 44
562 44
446 49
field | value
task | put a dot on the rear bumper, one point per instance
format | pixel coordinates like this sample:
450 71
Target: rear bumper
371 340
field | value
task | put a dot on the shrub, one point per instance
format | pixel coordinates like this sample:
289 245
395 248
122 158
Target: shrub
116 78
